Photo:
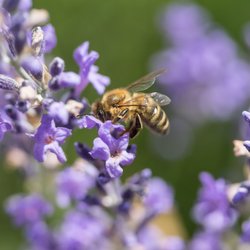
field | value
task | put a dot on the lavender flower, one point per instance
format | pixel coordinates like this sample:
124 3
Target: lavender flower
75 183
49 138
28 209
155 201
206 241
203 65
114 151
81 231
245 237
49 37
89 72
151 238
39 236
58 112
213 209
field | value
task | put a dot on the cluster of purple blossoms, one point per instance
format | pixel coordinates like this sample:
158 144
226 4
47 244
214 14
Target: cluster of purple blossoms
86 205
206 78
41 106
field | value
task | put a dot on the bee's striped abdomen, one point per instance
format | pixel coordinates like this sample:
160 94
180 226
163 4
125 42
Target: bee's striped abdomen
155 117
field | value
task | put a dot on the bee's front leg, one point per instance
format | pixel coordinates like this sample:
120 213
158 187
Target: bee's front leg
121 115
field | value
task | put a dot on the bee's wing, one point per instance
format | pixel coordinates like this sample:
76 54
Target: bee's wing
161 99
145 82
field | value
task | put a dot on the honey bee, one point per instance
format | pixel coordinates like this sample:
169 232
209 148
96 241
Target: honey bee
133 108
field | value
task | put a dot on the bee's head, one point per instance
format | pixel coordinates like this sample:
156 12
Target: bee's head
99 112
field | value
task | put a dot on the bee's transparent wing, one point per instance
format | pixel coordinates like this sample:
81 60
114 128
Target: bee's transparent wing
145 82
161 99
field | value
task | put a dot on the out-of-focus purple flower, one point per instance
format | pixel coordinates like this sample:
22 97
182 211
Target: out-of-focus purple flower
49 37
24 5
5 126
158 197
151 238
203 65
49 138
206 241
58 112
39 236
245 237
88 71
114 151
184 24
81 231
213 209
27 209
74 183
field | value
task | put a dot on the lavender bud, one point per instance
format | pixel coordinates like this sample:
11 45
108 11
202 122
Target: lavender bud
56 66
103 179
247 145
20 41
33 66
8 83
246 116
10 5
11 111
91 200
54 83
37 41
240 196
10 39
47 102
23 105
83 151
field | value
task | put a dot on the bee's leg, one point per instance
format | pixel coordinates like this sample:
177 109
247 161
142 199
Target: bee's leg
121 115
135 126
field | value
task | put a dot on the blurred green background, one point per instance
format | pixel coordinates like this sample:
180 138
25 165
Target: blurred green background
126 35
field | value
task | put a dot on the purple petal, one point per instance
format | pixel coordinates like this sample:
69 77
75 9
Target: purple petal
68 80
113 168
58 112
126 158
89 121
106 132
57 150
61 134
80 52
100 82
50 37
100 150
39 151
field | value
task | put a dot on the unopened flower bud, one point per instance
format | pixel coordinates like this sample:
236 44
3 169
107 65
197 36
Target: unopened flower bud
56 66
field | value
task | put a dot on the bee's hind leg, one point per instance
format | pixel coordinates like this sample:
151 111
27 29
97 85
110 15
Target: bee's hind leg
135 127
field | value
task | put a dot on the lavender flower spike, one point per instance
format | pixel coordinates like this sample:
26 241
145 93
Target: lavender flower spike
213 209
114 151
49 138
27 209
88 71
